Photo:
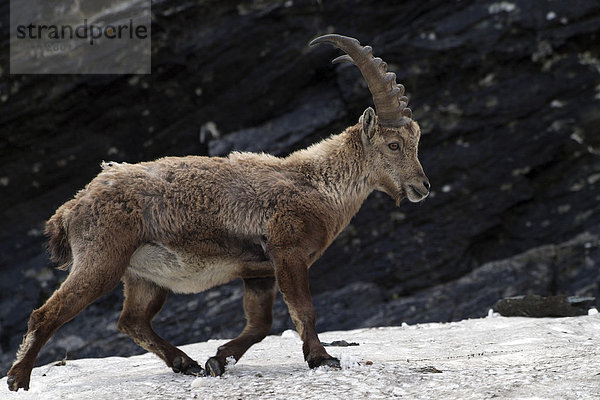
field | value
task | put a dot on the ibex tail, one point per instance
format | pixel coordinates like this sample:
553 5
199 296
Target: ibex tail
58 243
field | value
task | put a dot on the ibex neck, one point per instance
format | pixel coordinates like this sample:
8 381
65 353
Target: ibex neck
336 167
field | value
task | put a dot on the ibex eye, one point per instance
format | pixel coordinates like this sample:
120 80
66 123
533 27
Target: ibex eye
394 146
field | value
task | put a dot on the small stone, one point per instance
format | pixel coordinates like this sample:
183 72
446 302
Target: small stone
340 343
540 307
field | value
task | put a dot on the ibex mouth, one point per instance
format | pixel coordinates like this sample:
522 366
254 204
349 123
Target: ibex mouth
415 195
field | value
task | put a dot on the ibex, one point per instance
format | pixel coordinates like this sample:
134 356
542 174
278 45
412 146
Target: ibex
187 224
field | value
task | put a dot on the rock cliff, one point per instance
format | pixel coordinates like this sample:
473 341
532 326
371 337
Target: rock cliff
507 94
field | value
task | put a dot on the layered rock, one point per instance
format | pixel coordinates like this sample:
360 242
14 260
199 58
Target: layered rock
507 95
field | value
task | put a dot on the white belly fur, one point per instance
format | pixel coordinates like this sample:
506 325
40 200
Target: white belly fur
182 272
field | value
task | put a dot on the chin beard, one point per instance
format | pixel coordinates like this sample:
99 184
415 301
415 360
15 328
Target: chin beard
399 198
396 194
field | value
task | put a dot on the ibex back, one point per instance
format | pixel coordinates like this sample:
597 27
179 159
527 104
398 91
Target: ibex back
187 224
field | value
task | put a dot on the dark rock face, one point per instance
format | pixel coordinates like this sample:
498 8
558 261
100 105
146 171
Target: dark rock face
507 95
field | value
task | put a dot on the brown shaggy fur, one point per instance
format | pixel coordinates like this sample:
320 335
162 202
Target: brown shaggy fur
186 224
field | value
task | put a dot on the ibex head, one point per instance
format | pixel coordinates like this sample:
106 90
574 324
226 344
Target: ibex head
390 135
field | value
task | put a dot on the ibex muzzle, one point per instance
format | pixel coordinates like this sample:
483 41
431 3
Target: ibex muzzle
186 224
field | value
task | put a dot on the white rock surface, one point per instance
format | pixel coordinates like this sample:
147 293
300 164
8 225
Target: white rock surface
495 357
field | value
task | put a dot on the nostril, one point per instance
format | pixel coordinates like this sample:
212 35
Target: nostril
427 185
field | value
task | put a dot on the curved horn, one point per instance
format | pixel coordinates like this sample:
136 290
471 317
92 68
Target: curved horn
388 96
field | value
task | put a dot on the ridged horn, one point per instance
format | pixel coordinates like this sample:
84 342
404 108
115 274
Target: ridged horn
388 96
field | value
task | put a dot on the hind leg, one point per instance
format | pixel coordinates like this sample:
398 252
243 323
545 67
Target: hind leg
259 294
143 300
85 283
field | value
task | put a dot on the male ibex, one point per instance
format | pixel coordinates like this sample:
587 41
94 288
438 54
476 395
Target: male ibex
187 224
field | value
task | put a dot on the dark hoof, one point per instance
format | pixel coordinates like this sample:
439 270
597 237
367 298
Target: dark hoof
14 384
214 367
195 370
331 363
324 362
187 367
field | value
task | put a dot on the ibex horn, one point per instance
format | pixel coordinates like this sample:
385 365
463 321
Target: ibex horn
388 96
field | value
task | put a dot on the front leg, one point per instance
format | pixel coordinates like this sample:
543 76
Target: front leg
292 277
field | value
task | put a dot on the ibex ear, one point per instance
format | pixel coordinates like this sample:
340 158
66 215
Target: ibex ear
369 120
